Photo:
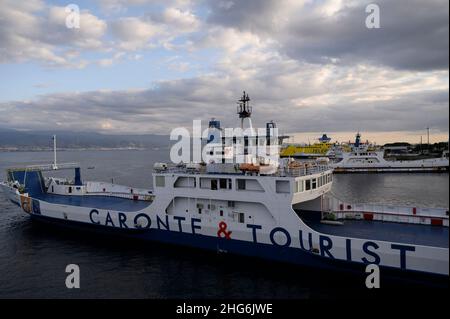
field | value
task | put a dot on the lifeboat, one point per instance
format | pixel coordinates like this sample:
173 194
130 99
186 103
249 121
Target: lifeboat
295 164
248 167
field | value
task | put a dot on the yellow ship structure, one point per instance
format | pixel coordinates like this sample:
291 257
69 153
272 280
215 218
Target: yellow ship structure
318 149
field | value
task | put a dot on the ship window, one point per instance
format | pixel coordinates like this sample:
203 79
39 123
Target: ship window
308 184
241 218
314 183
300 186
70 189
283 186
214 184
221 212
241 184
230 203
160 181
185 182
223 183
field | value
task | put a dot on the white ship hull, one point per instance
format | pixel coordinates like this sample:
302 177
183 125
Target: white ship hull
367 161
283 235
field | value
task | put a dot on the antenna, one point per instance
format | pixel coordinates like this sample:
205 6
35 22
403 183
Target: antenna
421 151
54 152
244 109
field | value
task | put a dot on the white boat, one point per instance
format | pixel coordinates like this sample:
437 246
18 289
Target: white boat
273 213
362 159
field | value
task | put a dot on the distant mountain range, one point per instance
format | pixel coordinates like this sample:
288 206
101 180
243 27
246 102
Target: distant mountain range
13 140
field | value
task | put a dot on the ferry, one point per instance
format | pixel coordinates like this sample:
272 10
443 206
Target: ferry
365 159
319 149
279 210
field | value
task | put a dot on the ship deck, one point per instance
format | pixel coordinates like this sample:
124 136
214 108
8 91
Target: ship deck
95 201
415 234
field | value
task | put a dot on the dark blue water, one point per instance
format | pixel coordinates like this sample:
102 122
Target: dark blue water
33 257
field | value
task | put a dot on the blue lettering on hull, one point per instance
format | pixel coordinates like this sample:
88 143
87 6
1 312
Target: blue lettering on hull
279 237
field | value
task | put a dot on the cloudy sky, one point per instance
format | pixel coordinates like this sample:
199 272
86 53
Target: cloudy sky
146 66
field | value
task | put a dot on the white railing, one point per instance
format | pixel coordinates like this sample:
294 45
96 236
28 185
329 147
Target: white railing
46 167
135 196
339 206
281 172
303 171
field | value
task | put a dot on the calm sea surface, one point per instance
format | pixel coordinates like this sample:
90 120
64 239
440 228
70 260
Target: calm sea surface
33 257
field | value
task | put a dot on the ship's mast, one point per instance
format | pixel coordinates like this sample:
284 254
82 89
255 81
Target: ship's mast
357 140
54 152
244 110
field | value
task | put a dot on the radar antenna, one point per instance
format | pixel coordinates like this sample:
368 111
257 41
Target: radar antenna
244 109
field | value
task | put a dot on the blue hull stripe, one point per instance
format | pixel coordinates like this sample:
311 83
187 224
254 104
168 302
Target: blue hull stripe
238 247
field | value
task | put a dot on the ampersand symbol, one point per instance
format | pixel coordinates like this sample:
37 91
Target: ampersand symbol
223 230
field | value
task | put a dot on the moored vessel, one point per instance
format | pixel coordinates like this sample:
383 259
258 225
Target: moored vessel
318 149
260 207
364 159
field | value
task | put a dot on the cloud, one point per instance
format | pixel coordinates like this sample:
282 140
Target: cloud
110 61
34 31
120 6
134 33
297 95
179 66
228 39
185 20
309 65
413 35
37 32
88 36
